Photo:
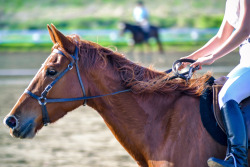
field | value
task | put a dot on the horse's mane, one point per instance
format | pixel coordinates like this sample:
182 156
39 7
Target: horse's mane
135 77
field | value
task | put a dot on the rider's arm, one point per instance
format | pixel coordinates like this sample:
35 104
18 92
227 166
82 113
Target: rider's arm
239 35
224 32
234 40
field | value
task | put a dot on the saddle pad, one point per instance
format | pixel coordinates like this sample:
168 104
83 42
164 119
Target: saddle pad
207 115
211 116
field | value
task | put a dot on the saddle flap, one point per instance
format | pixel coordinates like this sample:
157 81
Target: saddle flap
217 114
244 105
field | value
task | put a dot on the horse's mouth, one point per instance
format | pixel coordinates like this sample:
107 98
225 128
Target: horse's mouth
24 131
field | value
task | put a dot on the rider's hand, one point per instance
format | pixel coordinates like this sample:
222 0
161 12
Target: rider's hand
184 64
203 61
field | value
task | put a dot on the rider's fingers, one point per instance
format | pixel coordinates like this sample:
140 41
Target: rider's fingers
195 64
183 65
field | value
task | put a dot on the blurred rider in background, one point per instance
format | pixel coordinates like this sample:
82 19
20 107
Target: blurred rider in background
141 17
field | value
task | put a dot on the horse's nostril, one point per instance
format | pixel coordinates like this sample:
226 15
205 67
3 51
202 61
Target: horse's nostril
11 122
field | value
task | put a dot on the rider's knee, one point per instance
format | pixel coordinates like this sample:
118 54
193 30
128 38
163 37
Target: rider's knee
225 96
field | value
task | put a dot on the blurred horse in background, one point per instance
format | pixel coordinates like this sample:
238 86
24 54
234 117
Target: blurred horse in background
157 120
139 36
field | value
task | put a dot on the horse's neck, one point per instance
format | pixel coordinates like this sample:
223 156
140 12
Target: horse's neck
129 118
145 122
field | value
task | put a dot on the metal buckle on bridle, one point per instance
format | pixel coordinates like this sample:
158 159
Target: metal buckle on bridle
70 66
47 89
42 101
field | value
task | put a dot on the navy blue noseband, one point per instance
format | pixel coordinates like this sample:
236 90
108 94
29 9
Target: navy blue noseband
42 100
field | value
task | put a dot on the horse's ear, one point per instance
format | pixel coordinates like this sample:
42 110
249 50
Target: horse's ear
63 41
52 37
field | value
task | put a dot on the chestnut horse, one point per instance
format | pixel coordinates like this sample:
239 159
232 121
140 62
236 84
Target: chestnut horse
155 119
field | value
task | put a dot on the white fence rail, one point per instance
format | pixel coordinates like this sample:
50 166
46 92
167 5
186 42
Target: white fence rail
167 35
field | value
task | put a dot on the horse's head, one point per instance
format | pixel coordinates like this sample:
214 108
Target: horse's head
123 27
54 80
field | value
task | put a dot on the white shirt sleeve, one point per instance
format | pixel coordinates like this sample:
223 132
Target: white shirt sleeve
232 13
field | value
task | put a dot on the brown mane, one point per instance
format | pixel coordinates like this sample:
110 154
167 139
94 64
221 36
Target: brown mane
139 79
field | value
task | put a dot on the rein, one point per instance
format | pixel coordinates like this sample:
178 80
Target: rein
185 75
42 100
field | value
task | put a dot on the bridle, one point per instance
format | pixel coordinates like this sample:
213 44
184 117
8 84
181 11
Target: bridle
43 100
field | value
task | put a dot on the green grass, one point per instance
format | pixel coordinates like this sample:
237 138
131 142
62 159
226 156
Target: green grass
96 14
169 46
24 47
112 23
106 14
75 23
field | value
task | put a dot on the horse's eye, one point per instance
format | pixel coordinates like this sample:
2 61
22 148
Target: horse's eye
51 72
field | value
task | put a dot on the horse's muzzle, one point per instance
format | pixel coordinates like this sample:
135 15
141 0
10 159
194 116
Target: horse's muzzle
11 122
18 130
